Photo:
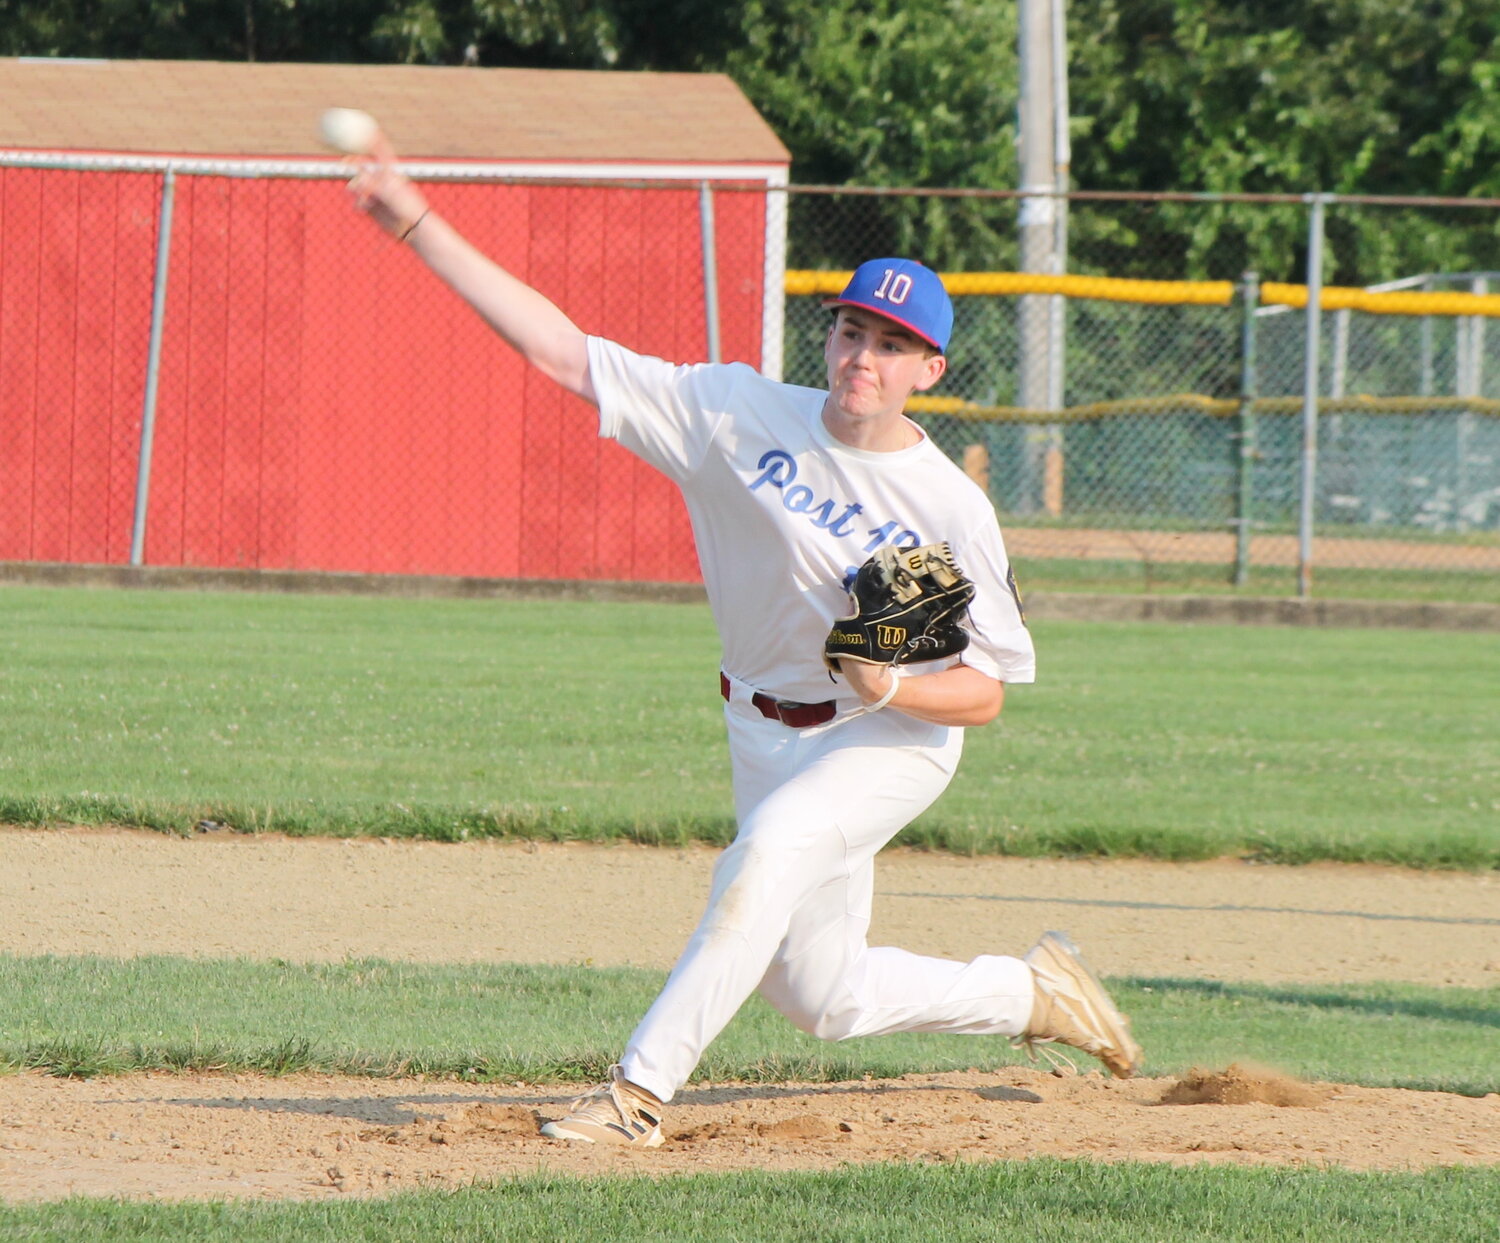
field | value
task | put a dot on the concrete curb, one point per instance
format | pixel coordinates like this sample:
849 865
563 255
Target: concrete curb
1040 605
314 582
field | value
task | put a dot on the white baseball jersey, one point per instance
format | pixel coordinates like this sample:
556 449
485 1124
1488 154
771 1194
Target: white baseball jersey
784 514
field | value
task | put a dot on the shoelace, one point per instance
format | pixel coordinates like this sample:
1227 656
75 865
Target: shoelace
1040 1050
605 1106
595 1105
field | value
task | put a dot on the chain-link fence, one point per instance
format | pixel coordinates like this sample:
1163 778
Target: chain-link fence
225 366
1161 436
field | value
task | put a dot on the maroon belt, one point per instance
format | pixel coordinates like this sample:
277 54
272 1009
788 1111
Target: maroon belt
798 716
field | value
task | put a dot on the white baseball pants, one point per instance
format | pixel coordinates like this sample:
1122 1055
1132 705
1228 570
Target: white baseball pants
789 909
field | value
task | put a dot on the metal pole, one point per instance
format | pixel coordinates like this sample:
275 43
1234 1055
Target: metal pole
1311 387
1036 219
1244 500
1464 425
153 367
1425 385
1057 325
1331 430
1340 353
1479 285
773 313
710 268
1462 341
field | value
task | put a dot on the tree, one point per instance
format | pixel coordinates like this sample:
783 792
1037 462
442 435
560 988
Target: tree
1228 96
1341 96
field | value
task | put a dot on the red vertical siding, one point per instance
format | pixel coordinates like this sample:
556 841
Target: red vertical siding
20 225
282 349
740 228
76 255
578 466
56 327
205 419
545 405
90 378
132 264
324 404
619 317
502 220
244 375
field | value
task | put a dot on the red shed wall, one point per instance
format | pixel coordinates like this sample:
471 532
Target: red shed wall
76 257
324 403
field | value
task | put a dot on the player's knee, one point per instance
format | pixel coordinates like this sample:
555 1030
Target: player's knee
754 883
816 1019
819 1023
833 1026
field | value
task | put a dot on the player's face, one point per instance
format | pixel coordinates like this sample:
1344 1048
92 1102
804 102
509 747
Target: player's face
874 365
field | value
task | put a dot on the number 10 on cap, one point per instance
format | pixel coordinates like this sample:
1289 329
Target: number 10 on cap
895 287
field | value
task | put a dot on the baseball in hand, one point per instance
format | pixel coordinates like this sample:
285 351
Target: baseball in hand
348 130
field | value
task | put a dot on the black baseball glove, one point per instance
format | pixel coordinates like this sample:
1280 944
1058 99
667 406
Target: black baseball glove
908 603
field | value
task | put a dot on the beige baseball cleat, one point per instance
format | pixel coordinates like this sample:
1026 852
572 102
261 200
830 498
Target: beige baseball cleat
616 1112
1072 1008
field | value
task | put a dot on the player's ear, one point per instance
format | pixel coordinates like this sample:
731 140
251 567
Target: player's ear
932 372
833 327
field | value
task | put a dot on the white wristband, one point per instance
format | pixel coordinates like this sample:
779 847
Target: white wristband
890 693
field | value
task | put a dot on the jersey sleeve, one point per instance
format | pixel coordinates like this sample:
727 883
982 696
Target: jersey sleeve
666 414
1000 644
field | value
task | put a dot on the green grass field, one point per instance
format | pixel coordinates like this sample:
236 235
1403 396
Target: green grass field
88 1016
448 718
85 1016
454 718
1045 1201
1196 578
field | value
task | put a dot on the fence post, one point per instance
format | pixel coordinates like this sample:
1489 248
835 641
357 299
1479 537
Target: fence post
773 311
1311 387
710 268
153 367
1245 433
1473 386
1426 384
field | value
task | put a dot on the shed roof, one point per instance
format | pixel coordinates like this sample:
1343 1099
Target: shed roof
208 108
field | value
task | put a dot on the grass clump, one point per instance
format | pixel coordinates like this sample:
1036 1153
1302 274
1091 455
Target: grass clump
85 1016
1048 1200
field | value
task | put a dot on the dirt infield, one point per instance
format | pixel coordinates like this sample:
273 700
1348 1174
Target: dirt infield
1218 548
123 894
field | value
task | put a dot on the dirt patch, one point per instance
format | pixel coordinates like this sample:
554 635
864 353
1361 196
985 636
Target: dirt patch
1243 1085
1215 548
120 894
212 1137
205 1137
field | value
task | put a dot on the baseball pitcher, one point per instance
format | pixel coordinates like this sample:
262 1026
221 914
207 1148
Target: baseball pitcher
868 616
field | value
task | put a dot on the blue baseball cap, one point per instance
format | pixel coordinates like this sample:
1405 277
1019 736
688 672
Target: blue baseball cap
904 291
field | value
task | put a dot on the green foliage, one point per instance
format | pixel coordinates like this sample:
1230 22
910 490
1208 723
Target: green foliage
1375 97
895 92
1339 96
891 93
535 32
